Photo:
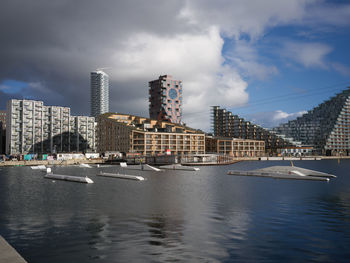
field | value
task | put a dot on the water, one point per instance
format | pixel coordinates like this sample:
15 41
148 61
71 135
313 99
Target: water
177 216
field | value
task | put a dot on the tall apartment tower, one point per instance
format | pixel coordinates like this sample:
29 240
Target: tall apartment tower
33 127
165 99
99 93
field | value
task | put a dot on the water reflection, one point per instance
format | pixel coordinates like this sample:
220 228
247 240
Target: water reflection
177 216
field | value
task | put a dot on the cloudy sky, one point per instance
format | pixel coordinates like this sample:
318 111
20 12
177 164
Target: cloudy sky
268 61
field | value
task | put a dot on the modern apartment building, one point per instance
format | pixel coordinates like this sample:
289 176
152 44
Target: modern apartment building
33 127
226 124
99 93
129 133
2 131
234 147
165 99
326 127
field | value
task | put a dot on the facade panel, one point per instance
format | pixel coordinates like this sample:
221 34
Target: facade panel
99 93
35 128
226 124
326 127
129 133
165 99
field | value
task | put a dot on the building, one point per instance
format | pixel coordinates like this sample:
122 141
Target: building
226 124
326 127
33 127
99 93
2 131
165 99
129 133
234 147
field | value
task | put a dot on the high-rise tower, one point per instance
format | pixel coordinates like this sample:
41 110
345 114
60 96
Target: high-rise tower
99 93
165 99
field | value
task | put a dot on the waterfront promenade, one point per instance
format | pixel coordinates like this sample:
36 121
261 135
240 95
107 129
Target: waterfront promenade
225 162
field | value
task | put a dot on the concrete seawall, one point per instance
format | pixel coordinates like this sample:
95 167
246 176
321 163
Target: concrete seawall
8 254
55 162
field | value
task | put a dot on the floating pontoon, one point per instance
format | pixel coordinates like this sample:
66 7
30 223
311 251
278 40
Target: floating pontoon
38 167
285 172
142 167
122 176
179 167
71 178
85 165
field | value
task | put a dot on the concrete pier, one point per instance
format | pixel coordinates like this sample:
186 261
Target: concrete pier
8 254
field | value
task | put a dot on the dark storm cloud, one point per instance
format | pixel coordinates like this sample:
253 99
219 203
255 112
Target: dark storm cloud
56 44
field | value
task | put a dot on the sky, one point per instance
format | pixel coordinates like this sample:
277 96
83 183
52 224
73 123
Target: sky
267 61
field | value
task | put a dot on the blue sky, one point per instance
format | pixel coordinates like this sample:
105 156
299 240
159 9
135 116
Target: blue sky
294 84
268 61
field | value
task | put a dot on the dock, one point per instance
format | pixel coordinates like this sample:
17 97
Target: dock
70 178
285 172
179 167
122 176
8 254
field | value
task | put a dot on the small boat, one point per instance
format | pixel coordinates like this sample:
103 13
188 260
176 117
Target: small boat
285 172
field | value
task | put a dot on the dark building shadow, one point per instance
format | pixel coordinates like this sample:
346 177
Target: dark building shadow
64 142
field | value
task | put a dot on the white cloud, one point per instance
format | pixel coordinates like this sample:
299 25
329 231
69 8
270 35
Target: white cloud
274 118
144 40
251 17
329 14
307 54
341 68
195 59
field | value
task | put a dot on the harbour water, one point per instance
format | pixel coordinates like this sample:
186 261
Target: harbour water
184 216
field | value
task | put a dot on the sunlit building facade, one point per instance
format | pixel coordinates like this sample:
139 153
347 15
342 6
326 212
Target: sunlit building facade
134 134
99 93
234 147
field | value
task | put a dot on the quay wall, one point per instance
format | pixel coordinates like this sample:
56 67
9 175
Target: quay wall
51 162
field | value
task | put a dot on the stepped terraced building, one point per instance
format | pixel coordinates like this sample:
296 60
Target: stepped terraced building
226 124
33 127
129 133
326 127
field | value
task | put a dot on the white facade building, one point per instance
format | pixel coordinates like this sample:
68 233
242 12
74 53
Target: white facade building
99 93
35 128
